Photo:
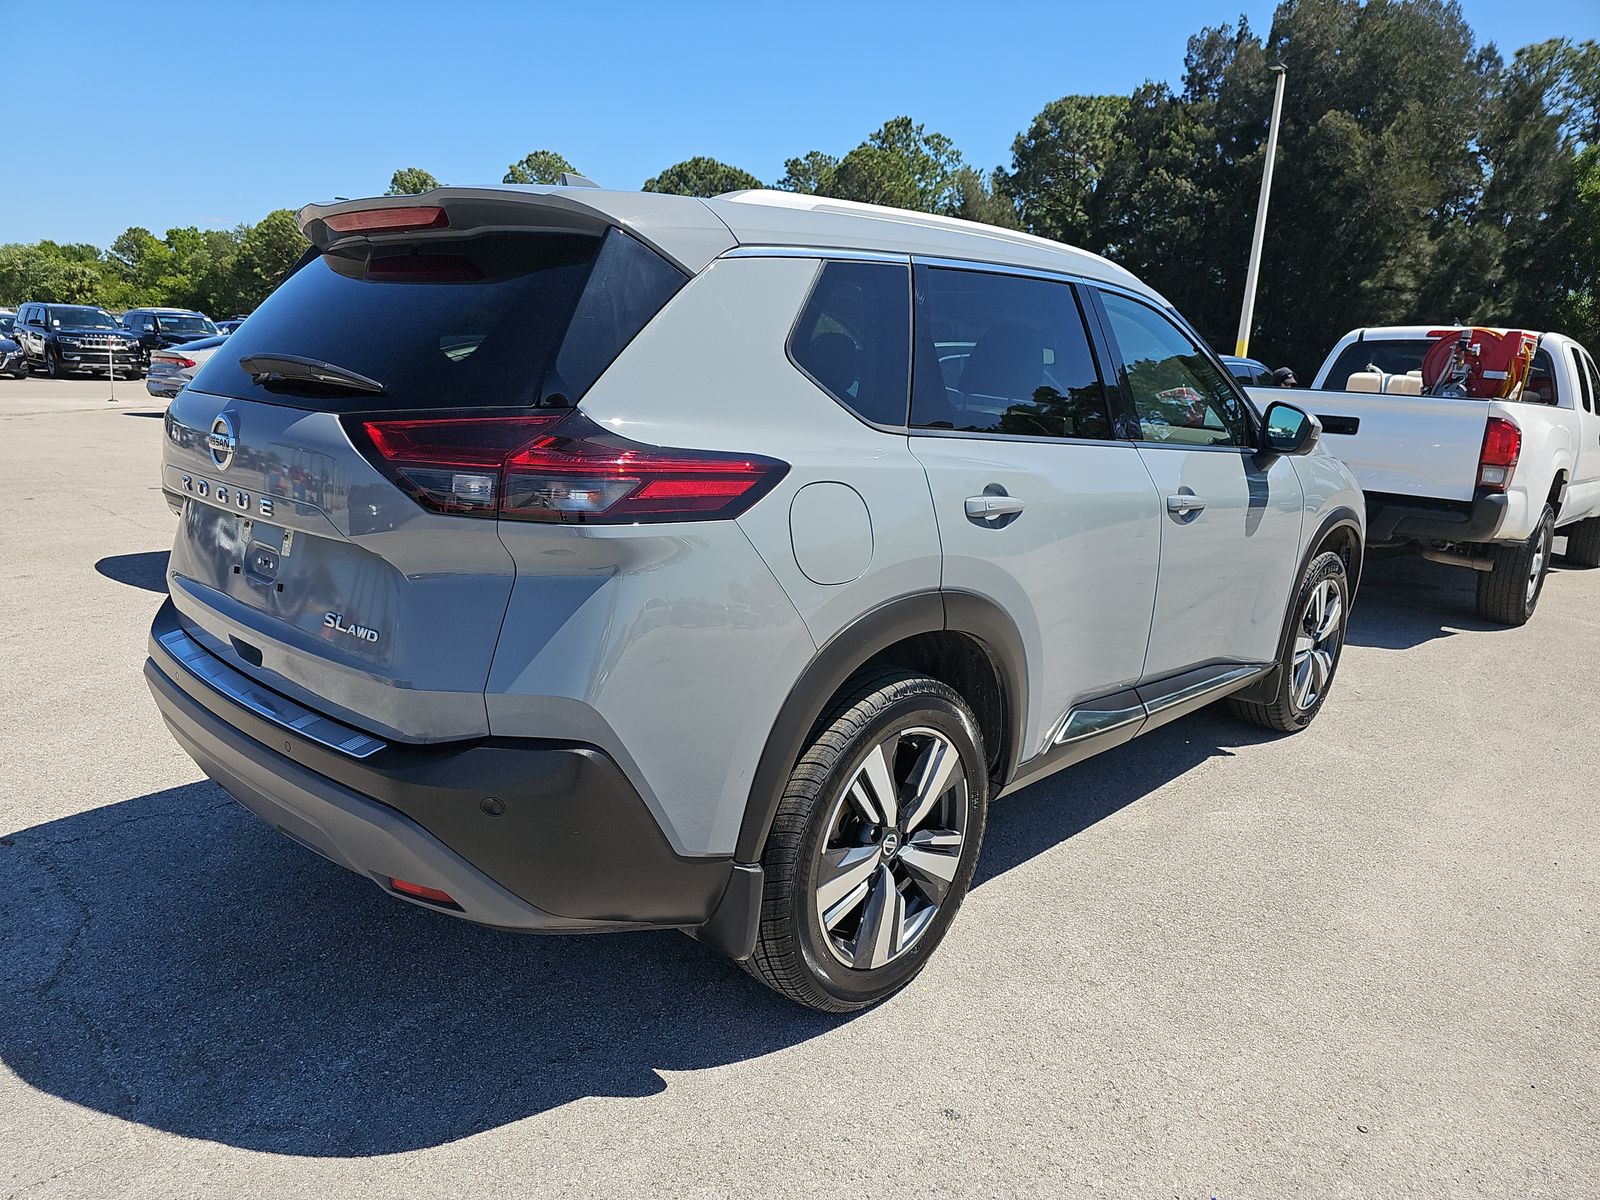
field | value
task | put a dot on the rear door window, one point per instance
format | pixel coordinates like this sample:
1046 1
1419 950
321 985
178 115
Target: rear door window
440 322
853 338
1004 354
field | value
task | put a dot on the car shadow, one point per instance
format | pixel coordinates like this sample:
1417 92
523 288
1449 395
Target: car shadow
1406 600
172 961
147 570
157 415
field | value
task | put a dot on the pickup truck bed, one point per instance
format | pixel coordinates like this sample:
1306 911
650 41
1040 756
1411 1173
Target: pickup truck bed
1418 461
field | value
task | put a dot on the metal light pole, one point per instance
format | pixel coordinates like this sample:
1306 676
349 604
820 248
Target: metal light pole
1247 316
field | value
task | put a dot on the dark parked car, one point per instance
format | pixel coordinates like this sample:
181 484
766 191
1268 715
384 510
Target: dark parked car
229 325
11 358
157 328
61 339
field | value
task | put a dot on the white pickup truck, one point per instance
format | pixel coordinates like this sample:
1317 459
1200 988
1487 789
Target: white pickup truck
1477 483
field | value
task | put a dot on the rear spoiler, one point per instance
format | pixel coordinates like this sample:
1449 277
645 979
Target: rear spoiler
681 229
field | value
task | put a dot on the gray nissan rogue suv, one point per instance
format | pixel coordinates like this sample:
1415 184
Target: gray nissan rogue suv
564 559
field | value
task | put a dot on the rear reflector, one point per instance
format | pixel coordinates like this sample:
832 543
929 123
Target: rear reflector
1502 445
387 220
406 888
558 467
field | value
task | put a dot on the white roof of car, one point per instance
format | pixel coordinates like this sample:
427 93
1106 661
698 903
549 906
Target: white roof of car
792 219
694 231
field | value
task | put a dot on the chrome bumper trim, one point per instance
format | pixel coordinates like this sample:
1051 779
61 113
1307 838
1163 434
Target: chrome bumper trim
280 710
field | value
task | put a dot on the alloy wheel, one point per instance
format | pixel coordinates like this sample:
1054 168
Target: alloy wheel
891 848
1316 644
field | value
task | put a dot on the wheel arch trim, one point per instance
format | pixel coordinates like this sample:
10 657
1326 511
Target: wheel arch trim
1340 518
845 653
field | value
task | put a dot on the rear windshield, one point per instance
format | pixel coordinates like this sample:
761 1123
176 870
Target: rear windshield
449 322
1392 356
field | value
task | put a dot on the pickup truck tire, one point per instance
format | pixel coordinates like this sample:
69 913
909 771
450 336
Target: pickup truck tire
833 835
1311 652
1583 543
1508 594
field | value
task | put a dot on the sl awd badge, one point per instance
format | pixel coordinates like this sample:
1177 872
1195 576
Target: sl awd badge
335 621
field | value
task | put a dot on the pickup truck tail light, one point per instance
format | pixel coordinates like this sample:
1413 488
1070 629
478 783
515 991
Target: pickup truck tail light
1502 443
558 467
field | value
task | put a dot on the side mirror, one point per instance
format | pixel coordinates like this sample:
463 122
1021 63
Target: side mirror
56 321
1290 430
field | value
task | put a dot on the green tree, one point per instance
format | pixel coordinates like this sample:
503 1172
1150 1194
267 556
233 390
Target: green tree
1057 163
542 166
701 176
809 174
1580 305
409 181
272 246
902 166
983 200
43 272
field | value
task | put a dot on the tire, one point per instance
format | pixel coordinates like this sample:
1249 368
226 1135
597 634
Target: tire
1508 594
52 365
1310 660
1583 543
892 900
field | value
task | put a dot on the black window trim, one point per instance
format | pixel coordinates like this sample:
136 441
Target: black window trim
1082 289
1585 399
1594 374
1253 417
823 258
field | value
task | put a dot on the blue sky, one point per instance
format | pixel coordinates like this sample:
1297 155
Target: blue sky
224 113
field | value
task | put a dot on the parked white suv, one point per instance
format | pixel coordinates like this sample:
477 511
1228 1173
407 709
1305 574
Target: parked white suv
565 559
1486 484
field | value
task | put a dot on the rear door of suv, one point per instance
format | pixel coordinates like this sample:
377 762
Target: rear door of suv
1230 517
340 500
1040 506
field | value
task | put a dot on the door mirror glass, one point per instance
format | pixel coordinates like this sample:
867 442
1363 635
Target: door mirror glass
1290 430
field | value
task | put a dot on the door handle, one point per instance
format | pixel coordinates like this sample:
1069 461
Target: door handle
1184 504
992 508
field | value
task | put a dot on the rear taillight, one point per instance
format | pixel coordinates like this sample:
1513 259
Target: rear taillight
176 360
558 467
388 220
1502 443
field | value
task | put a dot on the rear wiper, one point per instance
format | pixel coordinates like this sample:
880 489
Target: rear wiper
267 369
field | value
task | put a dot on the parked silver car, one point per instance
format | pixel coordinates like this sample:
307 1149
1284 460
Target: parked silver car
170 370
564 559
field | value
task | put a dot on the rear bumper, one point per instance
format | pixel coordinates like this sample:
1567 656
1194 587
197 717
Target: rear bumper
1404 519
524 834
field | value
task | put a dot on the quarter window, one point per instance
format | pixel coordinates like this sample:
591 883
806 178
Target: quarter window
1179 397
853 338
1584 386
1594 377
1004 354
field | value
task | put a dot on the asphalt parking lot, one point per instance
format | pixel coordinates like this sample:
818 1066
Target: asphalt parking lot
1212 963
